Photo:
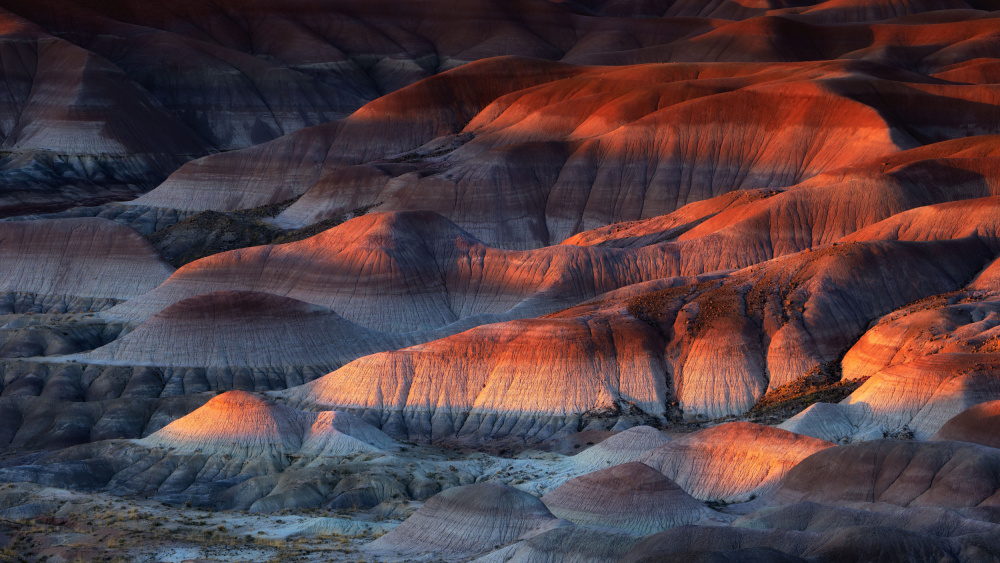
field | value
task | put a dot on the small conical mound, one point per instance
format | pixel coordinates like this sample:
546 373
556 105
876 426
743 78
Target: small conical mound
249 425
632 497
234 420
467 521
623 447
979 424
244 329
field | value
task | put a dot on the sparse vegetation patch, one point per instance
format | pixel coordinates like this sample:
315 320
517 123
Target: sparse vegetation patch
822 385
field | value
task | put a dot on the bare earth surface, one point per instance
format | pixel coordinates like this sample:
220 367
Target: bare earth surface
500 280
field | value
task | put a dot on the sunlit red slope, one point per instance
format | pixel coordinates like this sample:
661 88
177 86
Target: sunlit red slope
715 346
585 131
960 322
400 272
732 462
247 426
587 147
202 78
977 424
502 379
151 85
926 362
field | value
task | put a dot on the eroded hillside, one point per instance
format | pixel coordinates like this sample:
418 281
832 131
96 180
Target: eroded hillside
532 280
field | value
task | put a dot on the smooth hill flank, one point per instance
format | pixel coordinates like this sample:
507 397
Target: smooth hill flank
960 322
838 11
664 228
953 220
732 462
979 424
407 271
890 198
703 544
830 11
232 329
68 265
234 420
466 521
813 517
910 400
624 447
566 543
632 497
941 191
946 474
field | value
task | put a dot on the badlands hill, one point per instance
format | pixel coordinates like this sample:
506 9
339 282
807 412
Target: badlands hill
529 280
105 99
